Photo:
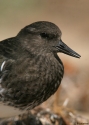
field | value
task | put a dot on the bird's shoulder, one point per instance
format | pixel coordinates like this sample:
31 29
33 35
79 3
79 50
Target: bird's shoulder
9 47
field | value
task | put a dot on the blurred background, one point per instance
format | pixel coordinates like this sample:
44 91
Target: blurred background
72 17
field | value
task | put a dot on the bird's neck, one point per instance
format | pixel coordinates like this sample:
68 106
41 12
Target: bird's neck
52 63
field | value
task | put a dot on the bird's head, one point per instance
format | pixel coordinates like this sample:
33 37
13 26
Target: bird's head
45 35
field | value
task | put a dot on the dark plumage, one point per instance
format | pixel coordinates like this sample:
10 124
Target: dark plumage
32 71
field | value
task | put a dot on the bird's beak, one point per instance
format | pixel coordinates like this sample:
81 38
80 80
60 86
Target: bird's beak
62 47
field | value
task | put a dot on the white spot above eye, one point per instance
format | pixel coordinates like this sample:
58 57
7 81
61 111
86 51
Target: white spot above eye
2 65
31 29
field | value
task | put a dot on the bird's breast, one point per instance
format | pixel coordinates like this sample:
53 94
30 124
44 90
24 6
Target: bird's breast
51 72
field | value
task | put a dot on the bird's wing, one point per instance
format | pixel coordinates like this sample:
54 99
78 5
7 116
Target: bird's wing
17 75
15 90
8 55
7 51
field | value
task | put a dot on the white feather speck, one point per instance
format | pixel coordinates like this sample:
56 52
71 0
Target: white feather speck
0 80
2 65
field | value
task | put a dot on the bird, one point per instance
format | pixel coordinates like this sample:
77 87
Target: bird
30 68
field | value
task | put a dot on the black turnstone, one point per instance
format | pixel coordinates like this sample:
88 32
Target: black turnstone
31 70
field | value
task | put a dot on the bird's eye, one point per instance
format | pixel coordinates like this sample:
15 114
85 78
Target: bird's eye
44 35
